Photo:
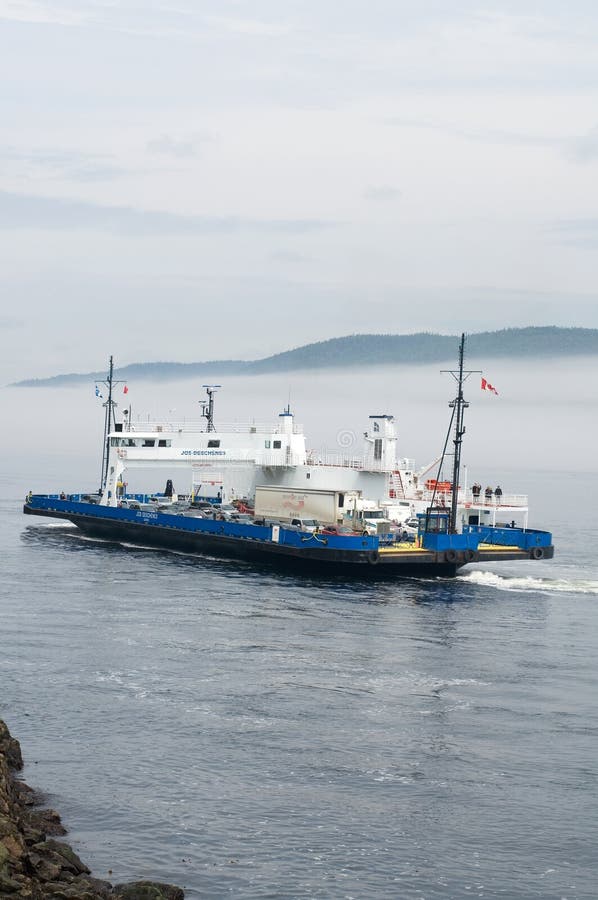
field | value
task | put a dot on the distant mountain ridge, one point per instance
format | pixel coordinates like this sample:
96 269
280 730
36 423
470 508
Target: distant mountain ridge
361 350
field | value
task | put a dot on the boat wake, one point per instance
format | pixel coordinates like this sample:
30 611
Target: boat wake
528 584
63 524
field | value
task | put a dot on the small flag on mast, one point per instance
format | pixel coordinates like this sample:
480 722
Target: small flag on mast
98 393
125 389
486 386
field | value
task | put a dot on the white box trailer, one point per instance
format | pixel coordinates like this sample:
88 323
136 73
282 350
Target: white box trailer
286 503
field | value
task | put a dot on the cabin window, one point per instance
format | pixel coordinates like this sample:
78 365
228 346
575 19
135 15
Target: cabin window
131 442
277 445
267 444
341 500
149 442
115 442
378 448
308 475
434 523
213 443
163 443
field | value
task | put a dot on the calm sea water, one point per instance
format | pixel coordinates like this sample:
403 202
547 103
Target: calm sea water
251 734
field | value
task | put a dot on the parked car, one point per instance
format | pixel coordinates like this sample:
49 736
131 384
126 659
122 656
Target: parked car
227 511
338 529
305 524
129 504
175 509
244 518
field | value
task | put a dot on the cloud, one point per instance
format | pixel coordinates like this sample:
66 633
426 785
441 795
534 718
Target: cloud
288 256
577 232
251 27
584 149
482 135
71 165
59 214
155 20
185 148
128 17
7 323
581 148
381 193
577 225
41 13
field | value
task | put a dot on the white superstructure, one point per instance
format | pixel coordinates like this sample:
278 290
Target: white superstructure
229 461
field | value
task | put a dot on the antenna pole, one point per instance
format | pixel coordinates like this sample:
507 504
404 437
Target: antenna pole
109 419
207 406
107 425
211 410
460 406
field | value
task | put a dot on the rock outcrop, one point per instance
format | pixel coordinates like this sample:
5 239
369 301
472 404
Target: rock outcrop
36 866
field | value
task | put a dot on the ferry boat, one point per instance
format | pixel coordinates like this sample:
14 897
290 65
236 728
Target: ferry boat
331 511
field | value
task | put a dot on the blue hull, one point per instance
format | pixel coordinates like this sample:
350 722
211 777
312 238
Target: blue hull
302 550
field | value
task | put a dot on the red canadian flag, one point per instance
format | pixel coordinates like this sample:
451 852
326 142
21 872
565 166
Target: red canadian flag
126 389
486 386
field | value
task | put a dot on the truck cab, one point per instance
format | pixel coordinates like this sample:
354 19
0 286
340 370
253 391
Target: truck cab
370 521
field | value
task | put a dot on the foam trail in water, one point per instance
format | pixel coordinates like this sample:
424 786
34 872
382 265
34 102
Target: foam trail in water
502 583
55 525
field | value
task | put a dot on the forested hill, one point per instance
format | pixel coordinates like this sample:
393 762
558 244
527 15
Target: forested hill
363 350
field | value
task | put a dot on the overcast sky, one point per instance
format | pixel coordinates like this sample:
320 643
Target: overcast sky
190 180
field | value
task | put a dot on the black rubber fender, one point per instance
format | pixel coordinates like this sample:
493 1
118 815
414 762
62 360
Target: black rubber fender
469 555
537 553
373 557
450 556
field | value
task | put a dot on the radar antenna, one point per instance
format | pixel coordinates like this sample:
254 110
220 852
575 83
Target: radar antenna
207 406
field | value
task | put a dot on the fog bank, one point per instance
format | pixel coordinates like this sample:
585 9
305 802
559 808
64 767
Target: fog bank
543 417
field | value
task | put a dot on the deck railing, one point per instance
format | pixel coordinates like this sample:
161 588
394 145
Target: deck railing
195 427
334 458
466 498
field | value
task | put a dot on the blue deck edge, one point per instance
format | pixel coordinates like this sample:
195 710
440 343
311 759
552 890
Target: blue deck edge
76 507
525 539
472 535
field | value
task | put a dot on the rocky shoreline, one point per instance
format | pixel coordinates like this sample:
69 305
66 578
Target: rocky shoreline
33 864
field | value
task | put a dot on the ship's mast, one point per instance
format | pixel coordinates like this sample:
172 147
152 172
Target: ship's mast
109 419
207 406
458 405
